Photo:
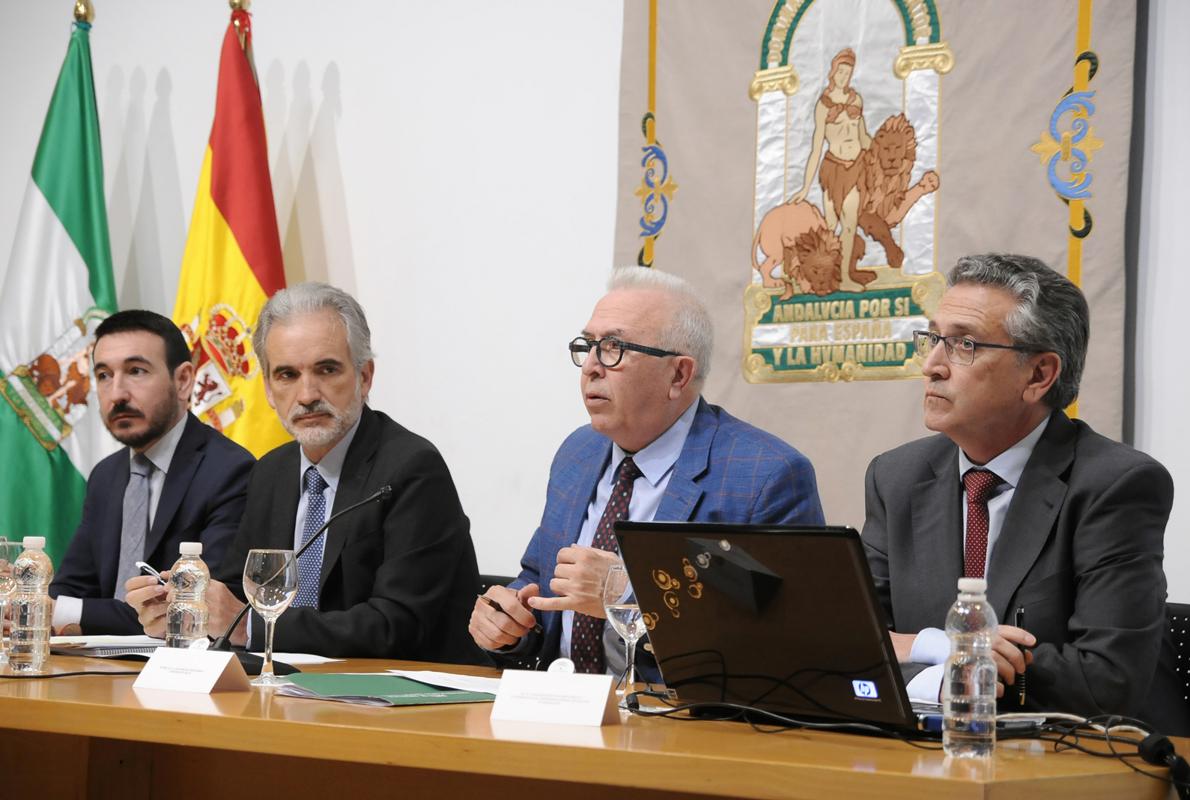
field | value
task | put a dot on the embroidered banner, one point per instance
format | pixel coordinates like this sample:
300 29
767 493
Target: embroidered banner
815 167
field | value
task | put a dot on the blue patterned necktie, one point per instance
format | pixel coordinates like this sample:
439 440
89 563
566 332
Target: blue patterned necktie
310 564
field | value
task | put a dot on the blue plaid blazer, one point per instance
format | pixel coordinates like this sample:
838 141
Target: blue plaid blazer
728 471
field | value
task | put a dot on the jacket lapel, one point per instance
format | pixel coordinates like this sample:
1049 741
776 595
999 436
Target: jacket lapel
938 528
188 455
1030 519
586 471
353 484
287 492
683 493
112 529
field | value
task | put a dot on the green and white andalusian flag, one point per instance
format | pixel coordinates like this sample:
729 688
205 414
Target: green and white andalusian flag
58 287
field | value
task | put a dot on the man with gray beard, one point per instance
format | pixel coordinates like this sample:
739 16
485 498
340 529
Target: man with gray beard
395 578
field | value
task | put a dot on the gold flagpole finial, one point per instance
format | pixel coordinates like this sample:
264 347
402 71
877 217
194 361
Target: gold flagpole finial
84 11
239 5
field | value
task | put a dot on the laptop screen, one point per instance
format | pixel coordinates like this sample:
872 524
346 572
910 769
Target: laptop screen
780 618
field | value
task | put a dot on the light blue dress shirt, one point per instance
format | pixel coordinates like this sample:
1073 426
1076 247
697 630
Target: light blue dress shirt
656 464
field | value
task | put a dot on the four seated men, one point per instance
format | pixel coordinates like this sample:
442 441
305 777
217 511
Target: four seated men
1065 524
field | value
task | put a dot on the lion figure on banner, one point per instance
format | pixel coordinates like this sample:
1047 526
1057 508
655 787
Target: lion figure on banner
884 183
795 236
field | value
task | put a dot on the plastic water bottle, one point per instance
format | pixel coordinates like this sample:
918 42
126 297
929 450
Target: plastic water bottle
29 640
969 687
186 616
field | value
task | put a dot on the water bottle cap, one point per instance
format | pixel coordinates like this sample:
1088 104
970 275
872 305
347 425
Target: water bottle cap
33 542
190 548
973 586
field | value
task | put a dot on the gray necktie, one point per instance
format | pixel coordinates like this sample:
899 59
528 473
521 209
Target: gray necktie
135 522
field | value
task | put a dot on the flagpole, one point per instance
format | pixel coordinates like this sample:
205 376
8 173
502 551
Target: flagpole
84 11
243 26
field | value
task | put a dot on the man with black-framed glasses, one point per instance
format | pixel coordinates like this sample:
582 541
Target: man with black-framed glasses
655 450
1065 525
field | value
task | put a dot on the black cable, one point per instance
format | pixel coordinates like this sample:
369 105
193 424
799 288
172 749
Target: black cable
758 717
65 675
1077 730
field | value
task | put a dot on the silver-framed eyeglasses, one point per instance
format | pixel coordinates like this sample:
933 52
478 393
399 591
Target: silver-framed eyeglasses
609 350
959 349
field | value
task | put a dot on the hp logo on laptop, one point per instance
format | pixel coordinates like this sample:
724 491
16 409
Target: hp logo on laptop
865 690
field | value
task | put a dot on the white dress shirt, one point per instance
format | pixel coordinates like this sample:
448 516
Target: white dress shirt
69 610
932 646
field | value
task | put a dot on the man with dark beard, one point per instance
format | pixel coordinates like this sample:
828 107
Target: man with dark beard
177 480
393 579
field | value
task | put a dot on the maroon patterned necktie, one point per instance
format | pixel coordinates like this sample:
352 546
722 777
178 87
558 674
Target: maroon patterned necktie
586 633
979 484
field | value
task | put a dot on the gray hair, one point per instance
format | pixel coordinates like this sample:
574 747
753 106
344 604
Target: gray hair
1051 313
307 298
690 331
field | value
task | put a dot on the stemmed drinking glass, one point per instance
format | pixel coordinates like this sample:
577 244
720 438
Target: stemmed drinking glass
624 615
8 554
270 584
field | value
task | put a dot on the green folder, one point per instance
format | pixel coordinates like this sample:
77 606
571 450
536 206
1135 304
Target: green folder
376 690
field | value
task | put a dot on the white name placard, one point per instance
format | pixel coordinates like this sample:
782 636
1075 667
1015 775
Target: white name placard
200 671
556 698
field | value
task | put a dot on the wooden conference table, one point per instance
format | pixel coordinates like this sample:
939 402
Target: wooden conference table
93 736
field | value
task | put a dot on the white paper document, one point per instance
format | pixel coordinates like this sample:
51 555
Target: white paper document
104 646
448 680
300 659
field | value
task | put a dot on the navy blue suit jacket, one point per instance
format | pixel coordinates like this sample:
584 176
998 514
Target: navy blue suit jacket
728 471
398 576
202 500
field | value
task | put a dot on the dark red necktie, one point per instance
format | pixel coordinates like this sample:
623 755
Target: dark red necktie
979 484
586 634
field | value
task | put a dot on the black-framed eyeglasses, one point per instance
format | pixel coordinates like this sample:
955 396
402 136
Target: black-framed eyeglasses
959 349
609 350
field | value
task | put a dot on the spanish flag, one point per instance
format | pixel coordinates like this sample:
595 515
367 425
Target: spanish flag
232 263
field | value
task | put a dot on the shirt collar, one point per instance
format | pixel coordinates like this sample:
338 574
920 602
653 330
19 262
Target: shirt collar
659 456
331 465
161 452
1009 465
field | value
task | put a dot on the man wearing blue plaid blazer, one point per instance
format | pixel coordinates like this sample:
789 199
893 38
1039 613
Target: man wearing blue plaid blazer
655 450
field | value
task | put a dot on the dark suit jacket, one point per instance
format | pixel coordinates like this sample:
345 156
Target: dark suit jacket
398 576
202 500
1080 550
728 471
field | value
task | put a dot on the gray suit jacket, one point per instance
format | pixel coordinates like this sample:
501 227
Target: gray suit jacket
1080 550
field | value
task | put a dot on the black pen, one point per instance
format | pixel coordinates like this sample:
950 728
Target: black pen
500 608
1018 620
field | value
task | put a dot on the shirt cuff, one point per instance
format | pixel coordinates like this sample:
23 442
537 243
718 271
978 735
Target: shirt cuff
931 646
926 685
67 611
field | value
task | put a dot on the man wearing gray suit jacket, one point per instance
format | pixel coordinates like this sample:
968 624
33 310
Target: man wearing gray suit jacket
1065 525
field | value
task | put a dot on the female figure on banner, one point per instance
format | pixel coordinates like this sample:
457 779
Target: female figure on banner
839 121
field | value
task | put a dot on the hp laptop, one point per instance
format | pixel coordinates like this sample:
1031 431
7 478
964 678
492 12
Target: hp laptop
784 619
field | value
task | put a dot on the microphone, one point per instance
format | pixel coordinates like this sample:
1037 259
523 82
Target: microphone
383 493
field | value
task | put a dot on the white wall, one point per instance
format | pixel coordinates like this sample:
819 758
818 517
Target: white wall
1163 286
456 171
452 166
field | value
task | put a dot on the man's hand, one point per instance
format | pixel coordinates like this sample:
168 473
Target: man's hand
492 629
578 581
222 607
902 645
1010 660
148 599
